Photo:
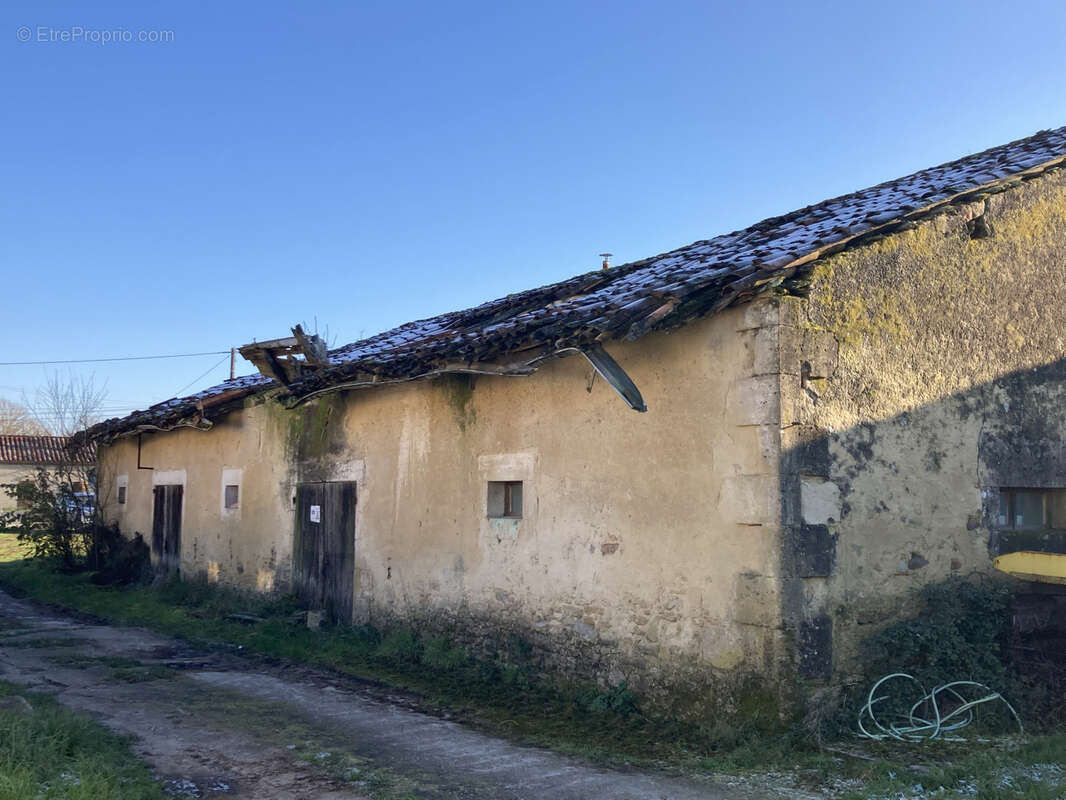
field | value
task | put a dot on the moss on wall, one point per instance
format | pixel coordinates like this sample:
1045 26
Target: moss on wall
948 385
459 391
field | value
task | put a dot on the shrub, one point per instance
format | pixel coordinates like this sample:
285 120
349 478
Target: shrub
54 519
960 634
118 560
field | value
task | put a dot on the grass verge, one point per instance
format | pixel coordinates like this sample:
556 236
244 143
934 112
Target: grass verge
49 753
505 697
508 698
11 549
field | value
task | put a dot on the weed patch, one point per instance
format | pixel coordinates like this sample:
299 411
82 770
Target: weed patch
50 752
506 695
11 549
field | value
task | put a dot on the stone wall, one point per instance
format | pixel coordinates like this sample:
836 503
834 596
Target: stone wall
937 379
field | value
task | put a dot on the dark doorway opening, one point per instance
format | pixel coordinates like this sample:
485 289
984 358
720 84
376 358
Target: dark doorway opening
166 527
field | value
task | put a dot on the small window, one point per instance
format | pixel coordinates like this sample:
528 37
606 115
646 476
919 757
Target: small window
122 495
505 499
1031 509
233 492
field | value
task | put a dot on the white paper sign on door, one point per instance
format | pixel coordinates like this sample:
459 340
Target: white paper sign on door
316 513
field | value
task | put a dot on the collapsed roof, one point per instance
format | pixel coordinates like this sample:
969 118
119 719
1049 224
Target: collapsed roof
514 334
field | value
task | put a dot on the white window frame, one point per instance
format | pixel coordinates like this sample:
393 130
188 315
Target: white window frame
122 482
231 476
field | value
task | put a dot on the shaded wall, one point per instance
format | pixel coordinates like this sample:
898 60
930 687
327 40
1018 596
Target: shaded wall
944 383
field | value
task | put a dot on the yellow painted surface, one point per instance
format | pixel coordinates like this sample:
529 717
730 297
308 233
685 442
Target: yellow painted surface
1031 566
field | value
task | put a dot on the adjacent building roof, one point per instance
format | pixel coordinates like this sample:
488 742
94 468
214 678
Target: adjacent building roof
44 451
515 333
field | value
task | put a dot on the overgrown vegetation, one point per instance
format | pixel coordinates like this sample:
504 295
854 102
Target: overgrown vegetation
964 632
11 549
960 633
48 752
54 516
504 691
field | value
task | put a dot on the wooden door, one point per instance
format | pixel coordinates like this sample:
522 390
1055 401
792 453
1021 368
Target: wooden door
324 547
166 527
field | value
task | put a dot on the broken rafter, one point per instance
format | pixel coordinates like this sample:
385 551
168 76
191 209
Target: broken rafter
606 366
288 359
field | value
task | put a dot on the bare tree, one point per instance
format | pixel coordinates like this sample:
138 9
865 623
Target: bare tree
66 405
59 514
17 420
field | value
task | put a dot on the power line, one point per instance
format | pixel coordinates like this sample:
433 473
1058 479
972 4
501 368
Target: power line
95 411
100 360
198 377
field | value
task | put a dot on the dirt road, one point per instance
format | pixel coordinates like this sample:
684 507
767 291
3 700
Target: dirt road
216 725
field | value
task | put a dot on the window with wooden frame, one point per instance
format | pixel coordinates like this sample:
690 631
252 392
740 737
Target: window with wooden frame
1031 509
230 492
122 495
505 500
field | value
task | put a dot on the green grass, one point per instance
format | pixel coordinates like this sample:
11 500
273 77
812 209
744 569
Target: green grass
1015 768
507 698
501 696
54 753
11 549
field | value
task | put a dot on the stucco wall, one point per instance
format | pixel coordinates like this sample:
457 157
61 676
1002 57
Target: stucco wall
250 546
11 475
648 544
944 382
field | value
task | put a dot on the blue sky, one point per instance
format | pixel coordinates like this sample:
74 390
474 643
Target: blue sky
365 164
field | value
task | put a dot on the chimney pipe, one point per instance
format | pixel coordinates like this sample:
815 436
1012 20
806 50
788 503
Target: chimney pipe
606 260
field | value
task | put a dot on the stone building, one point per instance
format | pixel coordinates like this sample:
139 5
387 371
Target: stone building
727 460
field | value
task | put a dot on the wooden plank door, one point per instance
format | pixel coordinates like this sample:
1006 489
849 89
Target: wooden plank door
166 527
324 547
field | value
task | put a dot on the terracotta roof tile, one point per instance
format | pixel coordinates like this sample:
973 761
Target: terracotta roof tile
43 451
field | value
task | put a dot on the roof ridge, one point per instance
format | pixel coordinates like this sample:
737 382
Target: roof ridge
656 293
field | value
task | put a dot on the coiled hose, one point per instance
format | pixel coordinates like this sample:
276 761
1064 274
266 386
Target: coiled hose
926 719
